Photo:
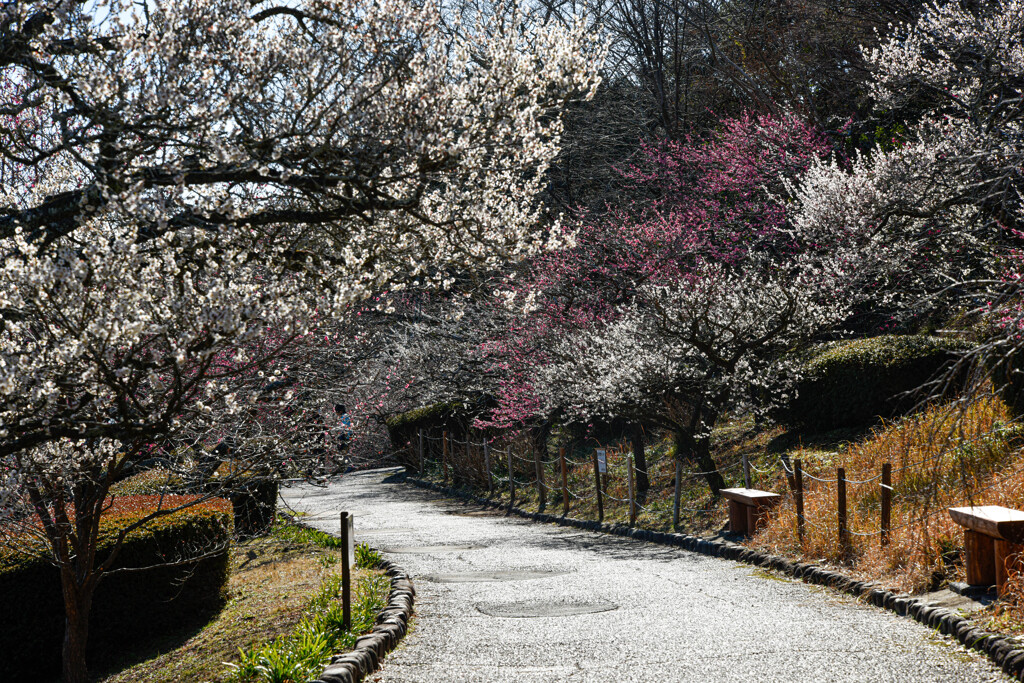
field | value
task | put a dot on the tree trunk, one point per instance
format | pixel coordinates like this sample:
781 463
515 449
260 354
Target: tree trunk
643 482
77 605
539 436
716 482
698 451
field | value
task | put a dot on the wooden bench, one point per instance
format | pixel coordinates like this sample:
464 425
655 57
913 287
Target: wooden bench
747 508
993 543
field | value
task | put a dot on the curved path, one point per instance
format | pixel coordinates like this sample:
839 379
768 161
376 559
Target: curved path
502 599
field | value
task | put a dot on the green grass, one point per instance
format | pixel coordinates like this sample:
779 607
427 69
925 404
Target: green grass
321 633
303 535
303 654
280 583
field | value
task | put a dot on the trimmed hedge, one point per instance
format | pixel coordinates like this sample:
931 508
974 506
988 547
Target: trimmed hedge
254 502
129 607
853 383
432 419
426 417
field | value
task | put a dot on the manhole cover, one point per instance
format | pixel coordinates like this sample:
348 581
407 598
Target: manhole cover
523 610
428 549
482 577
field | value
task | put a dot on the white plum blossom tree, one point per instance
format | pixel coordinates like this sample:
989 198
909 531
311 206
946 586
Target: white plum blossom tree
939 212
190 187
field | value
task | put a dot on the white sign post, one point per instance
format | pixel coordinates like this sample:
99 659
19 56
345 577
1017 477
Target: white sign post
348 561
602 461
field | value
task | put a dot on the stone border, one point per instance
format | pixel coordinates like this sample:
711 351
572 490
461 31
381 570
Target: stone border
1005 652
392 625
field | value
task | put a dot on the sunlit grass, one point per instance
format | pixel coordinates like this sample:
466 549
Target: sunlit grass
944 457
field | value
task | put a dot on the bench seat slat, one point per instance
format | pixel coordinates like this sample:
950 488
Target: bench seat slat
992 520
750 496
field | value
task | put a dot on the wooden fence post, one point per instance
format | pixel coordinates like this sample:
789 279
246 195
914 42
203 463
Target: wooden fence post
346 574
565 482
597 489
469 455
630 479
841 500
538 465
746 471
511 479
886 502
420 434
487 466
444 456
676 496
798 496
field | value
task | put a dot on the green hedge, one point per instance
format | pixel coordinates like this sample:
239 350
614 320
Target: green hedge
130 607
254 503
853 383
425 417
253 499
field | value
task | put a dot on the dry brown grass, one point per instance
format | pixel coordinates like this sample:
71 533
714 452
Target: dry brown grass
943 457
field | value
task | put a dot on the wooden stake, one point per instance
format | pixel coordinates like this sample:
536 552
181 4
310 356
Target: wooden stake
346 575
444 456
419 432
632 492
798 497
511 480
886 502
746 471
487 466
676 496
597 490
538 466
565 482
841 500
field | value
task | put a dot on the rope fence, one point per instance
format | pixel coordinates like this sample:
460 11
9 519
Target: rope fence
569 480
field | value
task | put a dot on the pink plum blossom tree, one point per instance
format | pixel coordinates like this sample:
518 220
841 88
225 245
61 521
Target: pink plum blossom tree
675 309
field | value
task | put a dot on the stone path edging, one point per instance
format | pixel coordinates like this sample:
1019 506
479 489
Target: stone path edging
1000 649
392 625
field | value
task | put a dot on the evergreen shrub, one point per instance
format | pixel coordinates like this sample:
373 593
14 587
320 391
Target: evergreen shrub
254 502
853 383
129 608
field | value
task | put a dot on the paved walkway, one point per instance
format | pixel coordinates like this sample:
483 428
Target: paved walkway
502 599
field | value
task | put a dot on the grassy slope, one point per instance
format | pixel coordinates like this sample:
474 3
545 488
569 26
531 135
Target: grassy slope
272 581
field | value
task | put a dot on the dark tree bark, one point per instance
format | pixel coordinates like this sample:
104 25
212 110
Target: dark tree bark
78 594
698 450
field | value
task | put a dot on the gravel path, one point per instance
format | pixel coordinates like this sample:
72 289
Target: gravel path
502 599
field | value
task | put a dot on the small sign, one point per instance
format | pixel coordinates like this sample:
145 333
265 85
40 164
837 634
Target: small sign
348 521
602 461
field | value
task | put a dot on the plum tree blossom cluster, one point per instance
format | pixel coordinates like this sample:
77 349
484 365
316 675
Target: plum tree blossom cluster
946 200
676 308
734 248
191 187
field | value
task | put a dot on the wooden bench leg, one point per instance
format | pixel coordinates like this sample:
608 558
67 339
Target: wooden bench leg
738 517
1009 561
979 557
756 515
